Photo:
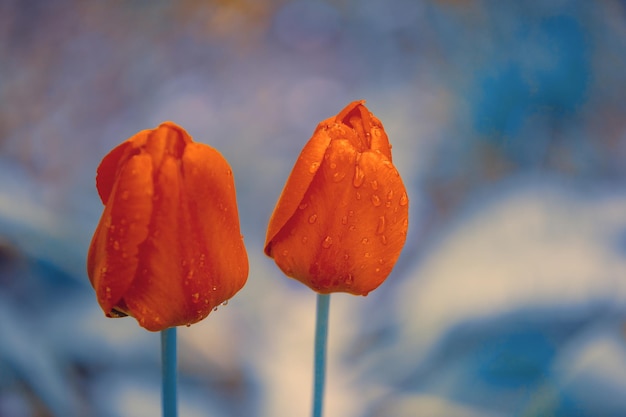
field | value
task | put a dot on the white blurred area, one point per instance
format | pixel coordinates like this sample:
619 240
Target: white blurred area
507 127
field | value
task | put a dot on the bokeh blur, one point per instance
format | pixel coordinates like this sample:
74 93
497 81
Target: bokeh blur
508 125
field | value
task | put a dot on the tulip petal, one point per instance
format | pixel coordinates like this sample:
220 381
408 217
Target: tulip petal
215 217
297 184
351 225
155 297
113 254
106 173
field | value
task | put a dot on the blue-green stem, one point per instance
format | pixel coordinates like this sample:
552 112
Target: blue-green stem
170 378
321 337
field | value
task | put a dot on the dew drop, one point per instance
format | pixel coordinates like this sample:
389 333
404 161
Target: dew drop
359 176
285 252
358 195
188 325
314 166
352 227
388 204
377 269
302 206
312 218
404 199
389 194
344 220
374 185
225 303
346 256
215 288
333 165
381 225
349 279
195 297
103 270
381 261
215 308
351 213
383 239
327 242
368 255
108 293
116 245
304 239
338 176
365 240
375 200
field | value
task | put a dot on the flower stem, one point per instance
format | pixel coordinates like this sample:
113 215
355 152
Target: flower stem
168 364
321 337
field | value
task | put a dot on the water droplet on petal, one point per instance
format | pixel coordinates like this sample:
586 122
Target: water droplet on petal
215 288
302 206
338 176
285 252
375 200
333 165
359 176
346 256
327 242
365 240
389 194
349 279
374 185
368 255
404 199
314 166
195 297
116 245
215 308
358 195
304 239
381 225
225 303
312 218
344 220
383 239
352 227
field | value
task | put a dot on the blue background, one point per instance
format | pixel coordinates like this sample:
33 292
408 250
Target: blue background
508 125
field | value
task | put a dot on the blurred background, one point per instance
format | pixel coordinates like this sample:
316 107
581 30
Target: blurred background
508 125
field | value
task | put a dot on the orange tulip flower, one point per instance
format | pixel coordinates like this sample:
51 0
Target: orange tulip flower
168 248
342 218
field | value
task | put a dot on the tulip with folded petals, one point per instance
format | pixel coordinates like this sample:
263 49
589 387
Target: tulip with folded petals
168 248
341 220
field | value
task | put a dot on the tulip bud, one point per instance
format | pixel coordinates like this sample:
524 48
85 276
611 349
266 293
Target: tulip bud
168 248
342 218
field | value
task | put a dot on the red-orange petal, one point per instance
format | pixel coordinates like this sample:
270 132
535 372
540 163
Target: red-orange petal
114 250
297 184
